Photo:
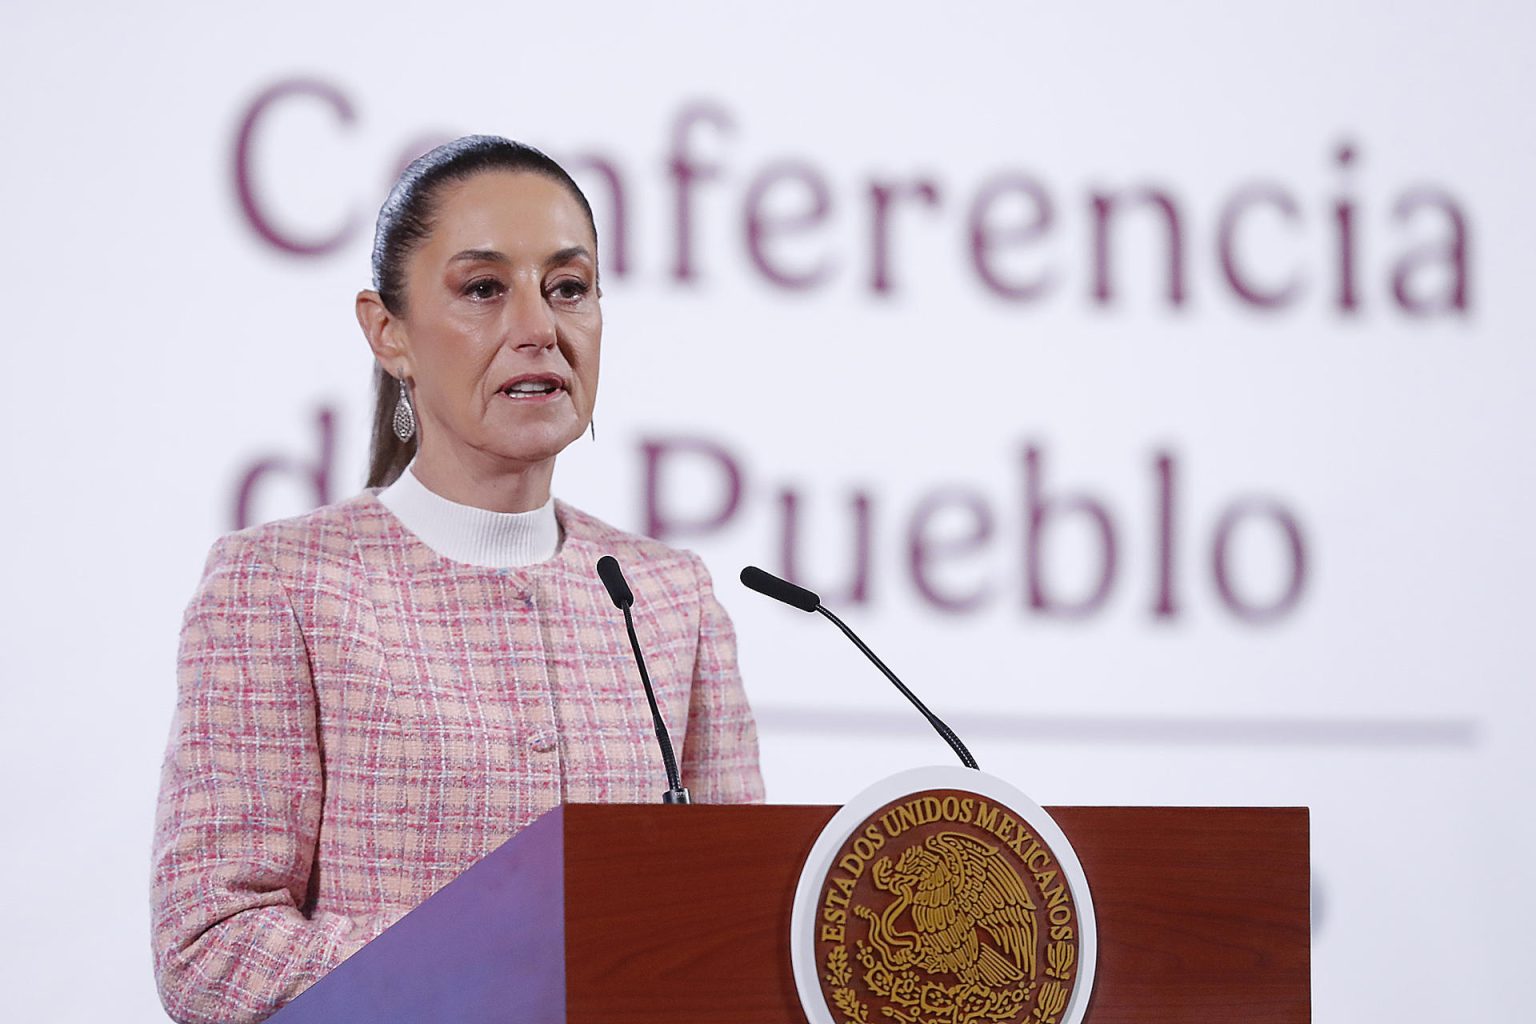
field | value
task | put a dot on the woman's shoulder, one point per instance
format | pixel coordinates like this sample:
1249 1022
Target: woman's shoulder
596 538
303 544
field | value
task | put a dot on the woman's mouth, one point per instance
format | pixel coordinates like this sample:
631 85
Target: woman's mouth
533 387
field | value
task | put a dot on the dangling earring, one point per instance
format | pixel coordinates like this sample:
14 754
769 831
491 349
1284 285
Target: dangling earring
592 426
405 416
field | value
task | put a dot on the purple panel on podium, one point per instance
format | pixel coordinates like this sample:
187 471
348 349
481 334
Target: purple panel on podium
488 948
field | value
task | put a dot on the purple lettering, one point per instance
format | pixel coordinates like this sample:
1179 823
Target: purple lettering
987 237
615 234
255 214
923 549
317 474
761 227
660 521
857 589
1344 219
1165 607
1236 603
1039 511
685 171
1104 206
1232 215
883 197
1452 254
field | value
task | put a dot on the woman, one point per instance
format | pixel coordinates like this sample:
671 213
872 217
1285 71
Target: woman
375 695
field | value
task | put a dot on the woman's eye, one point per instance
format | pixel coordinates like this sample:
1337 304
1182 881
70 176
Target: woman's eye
484 288
569 290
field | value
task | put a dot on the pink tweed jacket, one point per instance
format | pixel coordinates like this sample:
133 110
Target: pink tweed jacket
359 720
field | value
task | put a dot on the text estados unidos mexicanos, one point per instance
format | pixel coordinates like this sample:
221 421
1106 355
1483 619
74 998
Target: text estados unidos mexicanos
924 810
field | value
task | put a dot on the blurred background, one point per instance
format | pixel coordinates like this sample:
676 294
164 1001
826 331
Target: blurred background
1141 380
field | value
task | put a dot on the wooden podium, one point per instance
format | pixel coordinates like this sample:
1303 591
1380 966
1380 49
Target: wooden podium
680 915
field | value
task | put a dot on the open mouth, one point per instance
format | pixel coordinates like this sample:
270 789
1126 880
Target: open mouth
533 388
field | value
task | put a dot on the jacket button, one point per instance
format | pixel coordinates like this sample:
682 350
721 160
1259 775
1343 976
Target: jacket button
541 740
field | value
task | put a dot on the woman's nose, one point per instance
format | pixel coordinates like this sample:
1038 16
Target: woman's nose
532 321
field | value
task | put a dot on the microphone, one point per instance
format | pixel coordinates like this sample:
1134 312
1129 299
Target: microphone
613 579
623 598
780 590
769 585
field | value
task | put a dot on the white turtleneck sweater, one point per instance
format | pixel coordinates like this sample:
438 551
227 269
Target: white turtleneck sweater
474 536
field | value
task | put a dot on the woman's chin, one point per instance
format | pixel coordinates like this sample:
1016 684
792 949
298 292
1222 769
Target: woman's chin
536 444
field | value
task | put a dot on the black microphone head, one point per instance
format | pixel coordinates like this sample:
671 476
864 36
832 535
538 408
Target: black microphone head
768 584
613 579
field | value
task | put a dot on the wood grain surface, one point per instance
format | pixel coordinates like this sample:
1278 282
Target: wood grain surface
681 914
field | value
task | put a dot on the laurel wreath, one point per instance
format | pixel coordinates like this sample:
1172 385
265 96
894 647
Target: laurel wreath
1053 999
839 975
848 1002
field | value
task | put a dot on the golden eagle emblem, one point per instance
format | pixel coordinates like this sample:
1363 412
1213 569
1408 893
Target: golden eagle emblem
950 890
946 908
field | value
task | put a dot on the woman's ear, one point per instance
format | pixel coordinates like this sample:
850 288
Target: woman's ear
385 333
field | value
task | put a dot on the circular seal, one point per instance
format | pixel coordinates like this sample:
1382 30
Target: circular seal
943 896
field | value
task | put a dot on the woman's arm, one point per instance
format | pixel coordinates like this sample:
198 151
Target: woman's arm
239 810
720 759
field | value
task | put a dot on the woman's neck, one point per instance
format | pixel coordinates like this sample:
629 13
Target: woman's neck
498 488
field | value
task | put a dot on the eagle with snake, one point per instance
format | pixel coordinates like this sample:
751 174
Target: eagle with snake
951 888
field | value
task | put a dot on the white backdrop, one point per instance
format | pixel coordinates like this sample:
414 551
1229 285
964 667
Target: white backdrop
1007 294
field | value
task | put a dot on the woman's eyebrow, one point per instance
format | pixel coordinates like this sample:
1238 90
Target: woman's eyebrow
496 256
567 254
479 256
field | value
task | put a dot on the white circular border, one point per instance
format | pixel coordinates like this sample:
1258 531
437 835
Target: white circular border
803 916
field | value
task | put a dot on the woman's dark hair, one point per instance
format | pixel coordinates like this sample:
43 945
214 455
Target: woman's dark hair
405 220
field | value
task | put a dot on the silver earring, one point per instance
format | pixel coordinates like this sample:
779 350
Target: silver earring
405 416
592 426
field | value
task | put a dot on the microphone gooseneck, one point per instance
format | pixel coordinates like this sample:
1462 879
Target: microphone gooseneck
769 585
623 598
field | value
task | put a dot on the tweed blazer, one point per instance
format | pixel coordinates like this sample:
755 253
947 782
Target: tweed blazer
359 720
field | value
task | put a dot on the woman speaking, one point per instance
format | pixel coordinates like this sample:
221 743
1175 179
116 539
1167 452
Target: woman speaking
373 696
